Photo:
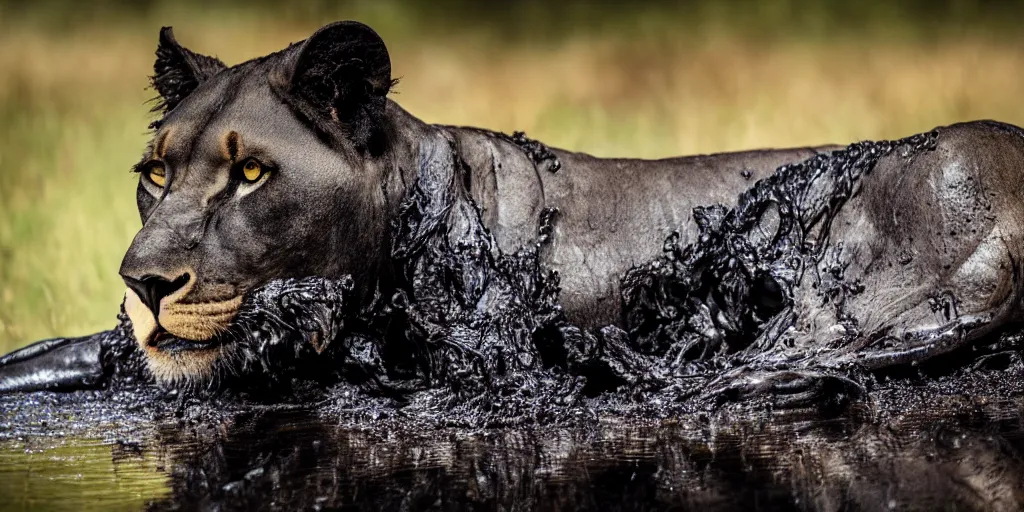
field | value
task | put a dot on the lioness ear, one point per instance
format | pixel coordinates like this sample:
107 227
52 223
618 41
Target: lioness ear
338 80
178 71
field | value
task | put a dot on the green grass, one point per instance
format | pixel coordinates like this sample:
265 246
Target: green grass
648 81
66 212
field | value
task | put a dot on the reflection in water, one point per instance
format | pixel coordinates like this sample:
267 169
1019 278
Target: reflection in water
298 459
72 474
831 467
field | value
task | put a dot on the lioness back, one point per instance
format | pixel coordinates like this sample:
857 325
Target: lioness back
612 213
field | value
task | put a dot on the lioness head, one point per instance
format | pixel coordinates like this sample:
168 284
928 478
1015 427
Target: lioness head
274 168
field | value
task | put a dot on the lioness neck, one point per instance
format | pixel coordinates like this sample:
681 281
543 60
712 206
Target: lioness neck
501 178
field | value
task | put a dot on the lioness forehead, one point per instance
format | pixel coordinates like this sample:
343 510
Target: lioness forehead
228 116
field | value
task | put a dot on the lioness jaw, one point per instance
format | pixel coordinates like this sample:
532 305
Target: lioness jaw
199 323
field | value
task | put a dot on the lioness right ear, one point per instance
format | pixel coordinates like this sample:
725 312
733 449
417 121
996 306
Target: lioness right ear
338 80
178 71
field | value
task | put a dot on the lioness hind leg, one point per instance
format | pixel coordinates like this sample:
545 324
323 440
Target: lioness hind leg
979 298
919 345
802 388
827 382
959 298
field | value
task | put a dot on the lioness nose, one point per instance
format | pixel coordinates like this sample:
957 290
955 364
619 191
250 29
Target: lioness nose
151 289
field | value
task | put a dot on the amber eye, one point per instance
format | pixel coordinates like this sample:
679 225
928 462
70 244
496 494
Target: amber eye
252 171
157 174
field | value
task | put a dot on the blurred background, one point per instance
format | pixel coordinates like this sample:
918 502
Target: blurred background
642 79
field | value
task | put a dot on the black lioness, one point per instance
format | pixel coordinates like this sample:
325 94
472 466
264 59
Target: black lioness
296 164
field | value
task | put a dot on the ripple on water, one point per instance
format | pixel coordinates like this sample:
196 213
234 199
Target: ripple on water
917 456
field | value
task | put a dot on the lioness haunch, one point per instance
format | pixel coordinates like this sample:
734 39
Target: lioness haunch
295 218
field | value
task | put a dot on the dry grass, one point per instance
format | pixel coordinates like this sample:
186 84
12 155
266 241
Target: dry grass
72 118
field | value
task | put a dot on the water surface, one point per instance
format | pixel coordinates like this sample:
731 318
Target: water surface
98 455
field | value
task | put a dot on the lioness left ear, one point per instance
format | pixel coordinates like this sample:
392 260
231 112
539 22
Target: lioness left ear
178 71
338 80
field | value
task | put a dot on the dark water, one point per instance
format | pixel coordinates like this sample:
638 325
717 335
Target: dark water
98 454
